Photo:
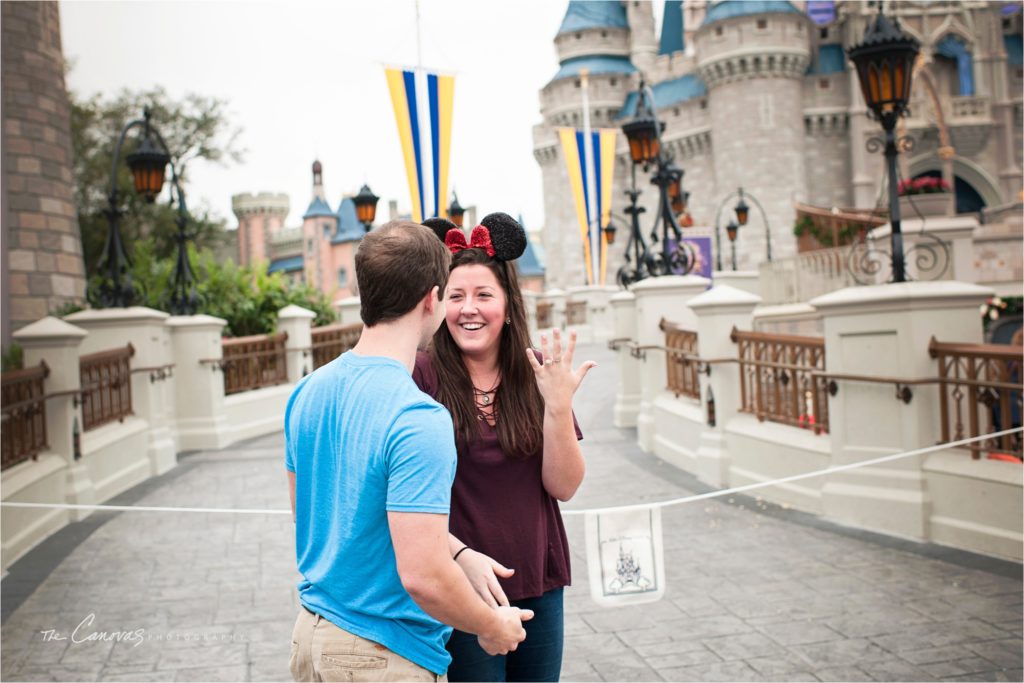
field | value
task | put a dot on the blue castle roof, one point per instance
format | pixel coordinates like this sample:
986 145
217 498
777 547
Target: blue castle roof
727 9
286 265
672 28
668 93
318 207
349 227
831 59
596 64
528 264
584 14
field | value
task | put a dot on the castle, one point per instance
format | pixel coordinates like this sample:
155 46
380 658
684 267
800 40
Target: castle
759 94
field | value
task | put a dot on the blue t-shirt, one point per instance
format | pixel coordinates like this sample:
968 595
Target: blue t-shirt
363 440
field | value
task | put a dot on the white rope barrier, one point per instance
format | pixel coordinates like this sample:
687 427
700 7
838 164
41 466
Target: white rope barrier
620 508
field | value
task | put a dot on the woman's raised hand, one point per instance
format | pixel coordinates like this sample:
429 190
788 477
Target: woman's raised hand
556 379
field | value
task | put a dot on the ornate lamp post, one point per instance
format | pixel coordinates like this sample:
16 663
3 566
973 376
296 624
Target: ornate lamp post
645 148
731 229
456 212
148 165
885 67
366 206
742 210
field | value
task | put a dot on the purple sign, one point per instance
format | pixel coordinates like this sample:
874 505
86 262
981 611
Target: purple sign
700 249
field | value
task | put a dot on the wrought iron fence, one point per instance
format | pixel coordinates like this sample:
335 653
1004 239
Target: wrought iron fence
980 393
683 370
23 432
331 341
106 386
777 380
576 313
544 314
254 362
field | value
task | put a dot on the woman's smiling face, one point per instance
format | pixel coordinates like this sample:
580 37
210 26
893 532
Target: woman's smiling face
475 309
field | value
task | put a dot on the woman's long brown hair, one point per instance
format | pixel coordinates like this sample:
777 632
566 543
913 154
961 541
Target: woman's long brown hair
518 406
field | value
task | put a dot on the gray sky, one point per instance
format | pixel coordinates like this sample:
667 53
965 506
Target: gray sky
306 80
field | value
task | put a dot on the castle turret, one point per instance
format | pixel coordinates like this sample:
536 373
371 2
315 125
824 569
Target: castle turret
758 127
643 46
259 217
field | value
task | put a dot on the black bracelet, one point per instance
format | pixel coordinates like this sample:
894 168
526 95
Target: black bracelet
461 550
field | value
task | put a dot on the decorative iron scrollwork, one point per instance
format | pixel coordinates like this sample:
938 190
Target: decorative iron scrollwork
869 261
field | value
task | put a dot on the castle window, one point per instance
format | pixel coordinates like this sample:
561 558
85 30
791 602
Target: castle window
577 82
578 36
675 112
762 23
327 230
604 34
718 30
309 244
703 104
824 34
342 277
613 82
823 83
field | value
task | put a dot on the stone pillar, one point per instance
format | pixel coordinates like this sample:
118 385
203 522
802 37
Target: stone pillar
600 315
557 297
57 343
718 311
657 298
883 331
152 391
298 323
199 382
348 310
584 334
627 398
747 280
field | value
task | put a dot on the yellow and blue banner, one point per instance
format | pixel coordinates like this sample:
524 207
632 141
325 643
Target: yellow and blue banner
591 166
423 103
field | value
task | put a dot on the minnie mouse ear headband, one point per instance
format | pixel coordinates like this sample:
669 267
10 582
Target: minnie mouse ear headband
498 234
440 226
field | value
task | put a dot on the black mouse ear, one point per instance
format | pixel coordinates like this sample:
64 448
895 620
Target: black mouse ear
440 226
507 236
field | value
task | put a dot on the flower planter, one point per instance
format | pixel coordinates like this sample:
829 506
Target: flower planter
926 205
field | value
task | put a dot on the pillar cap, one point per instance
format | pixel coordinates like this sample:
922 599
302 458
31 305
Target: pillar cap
49 329
903 296
200 320
654 284
724 297
117 316
291 311
624 296
555 292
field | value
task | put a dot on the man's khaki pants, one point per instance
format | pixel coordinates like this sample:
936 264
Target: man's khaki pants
323 652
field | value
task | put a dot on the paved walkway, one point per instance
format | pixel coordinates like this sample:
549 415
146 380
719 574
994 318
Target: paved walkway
754 592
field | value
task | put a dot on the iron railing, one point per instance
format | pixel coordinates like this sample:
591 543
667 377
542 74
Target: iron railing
23 432
254 362
331 341
680 350
106 386
544 314
576 313
779 379
980 393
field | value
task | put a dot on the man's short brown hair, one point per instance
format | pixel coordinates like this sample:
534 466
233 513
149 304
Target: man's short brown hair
396 265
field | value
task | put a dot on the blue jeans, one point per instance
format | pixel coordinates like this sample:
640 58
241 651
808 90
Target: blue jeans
538 658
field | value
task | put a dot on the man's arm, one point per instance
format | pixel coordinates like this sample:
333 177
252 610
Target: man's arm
291 490
439 587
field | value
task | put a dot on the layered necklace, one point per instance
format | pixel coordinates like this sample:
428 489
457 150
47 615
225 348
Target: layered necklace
484 399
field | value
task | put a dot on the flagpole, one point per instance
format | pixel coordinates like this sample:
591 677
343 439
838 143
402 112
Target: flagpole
419 47
588 164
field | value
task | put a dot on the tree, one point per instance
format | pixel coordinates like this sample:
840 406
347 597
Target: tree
194 128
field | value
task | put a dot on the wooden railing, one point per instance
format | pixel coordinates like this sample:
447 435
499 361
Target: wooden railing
23 432
331 341
254 362
576 313
777 381
106 386
980 393
680 349
544 311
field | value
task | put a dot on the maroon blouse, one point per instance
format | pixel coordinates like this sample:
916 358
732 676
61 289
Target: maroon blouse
500 507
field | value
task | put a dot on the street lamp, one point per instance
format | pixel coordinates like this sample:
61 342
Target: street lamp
731 229
884 62
366 206
456 212
148 165
645 148
742 211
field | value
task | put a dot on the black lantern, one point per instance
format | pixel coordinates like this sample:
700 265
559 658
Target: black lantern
742 211
609 233
675 188
731 229
456 212
643 131
148 164
885 66
366 206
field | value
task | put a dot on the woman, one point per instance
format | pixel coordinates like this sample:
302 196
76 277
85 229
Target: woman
517 444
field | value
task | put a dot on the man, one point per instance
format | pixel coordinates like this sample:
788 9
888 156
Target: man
370 463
